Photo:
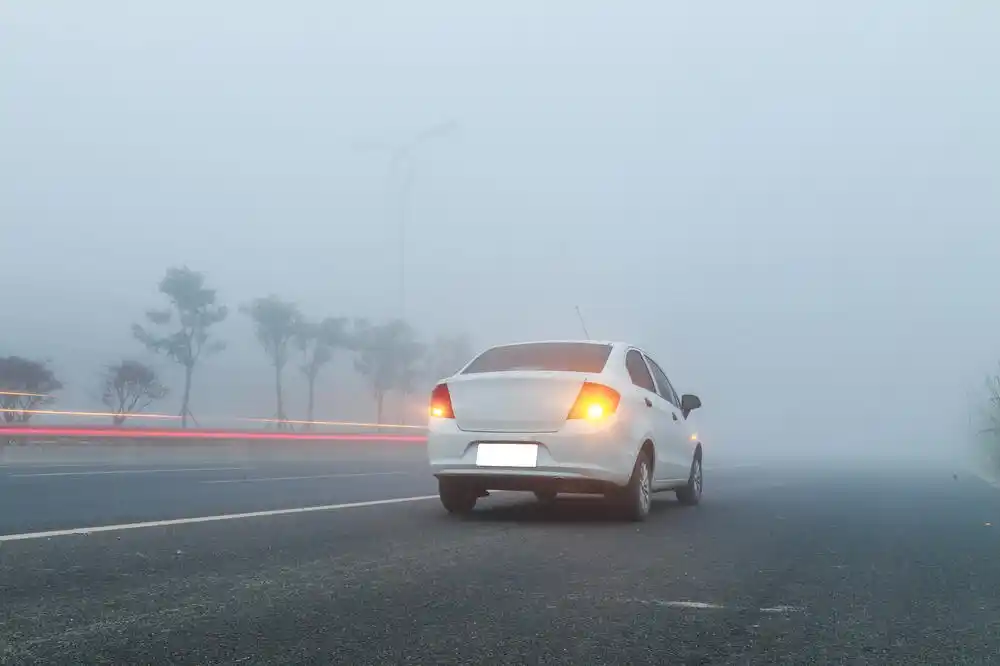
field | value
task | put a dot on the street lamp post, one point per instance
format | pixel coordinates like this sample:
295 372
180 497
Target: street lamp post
402 172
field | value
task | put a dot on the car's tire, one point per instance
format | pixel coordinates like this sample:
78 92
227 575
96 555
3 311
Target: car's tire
456 498
637 497
546 496
690 495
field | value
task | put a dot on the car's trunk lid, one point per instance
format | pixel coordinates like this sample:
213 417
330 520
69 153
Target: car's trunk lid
522 401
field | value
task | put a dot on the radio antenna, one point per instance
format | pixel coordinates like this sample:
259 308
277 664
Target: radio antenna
582 324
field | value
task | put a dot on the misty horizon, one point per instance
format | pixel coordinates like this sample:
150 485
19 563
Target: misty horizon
792 208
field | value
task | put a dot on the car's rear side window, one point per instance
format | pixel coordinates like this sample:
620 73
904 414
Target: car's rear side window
551 356
638 371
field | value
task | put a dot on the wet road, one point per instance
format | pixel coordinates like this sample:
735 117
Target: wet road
781 564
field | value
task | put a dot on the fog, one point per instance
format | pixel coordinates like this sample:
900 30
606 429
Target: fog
795 208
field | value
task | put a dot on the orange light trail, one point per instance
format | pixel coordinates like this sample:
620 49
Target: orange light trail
59 412
144 415
356 424
24 395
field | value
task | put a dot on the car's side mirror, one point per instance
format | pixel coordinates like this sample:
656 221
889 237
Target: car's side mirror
689 403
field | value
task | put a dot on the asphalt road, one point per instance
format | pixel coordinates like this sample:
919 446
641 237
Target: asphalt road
793 564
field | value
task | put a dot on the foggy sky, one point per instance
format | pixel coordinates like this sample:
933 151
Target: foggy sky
795 208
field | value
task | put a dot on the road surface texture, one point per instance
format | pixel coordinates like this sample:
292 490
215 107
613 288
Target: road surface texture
795 564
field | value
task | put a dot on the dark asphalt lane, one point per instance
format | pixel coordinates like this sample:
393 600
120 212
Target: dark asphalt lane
786 566
115 486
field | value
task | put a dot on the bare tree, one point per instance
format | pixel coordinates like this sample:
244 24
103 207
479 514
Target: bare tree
276 324
128 388
192 311
25 386
388 356
318 342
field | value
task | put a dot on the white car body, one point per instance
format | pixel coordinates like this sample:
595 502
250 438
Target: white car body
495 411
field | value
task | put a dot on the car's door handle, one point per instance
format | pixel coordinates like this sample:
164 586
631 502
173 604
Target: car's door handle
674 414
649 403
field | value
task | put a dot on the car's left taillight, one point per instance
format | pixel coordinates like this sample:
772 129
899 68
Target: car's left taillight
595 402
441 403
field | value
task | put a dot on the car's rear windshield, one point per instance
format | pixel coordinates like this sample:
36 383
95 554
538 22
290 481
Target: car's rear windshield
553 356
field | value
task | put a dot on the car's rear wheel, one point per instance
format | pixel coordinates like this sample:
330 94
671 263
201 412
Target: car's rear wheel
545 496
691 493
456 498
637 497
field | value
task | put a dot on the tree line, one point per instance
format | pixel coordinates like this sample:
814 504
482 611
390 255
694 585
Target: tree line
389 355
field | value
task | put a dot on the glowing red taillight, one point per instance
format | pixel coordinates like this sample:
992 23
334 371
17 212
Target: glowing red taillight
441 403
595 402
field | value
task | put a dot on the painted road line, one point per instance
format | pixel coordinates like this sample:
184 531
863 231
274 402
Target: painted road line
152 433
38 465
130 471
207 519
700 605
297 478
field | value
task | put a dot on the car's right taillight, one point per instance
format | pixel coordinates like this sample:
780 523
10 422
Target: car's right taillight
595 402
441 403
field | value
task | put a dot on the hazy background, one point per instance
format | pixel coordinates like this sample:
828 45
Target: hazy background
793 206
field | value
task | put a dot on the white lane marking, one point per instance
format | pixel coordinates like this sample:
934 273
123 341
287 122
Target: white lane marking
208 519
131 471
39 465
686 604
781 609
701 605
297 478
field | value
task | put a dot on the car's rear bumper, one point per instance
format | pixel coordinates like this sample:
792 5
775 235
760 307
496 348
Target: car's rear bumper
584 456
560 482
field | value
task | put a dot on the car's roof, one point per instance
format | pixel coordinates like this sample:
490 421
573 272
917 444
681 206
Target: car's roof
567 341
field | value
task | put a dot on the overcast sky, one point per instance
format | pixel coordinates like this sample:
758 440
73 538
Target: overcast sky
794 206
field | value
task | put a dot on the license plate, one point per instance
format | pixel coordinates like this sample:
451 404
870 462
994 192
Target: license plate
507 455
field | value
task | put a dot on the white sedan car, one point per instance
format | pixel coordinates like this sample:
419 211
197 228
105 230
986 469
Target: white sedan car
564 416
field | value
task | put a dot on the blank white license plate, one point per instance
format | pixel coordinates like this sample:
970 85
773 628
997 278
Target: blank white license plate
507 455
